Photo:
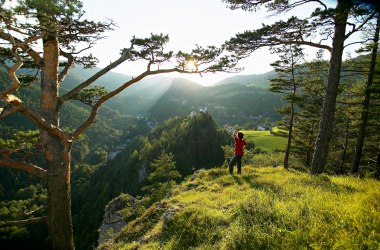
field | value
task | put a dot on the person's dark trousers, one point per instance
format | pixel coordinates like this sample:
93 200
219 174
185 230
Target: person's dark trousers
234 160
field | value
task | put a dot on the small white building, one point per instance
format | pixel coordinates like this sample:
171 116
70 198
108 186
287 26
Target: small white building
260 128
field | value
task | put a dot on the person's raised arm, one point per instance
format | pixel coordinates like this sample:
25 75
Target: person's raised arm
235 133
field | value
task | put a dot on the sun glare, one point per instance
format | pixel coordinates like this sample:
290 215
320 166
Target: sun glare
190 65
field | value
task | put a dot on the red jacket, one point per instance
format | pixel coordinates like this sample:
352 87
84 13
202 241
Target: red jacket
239 146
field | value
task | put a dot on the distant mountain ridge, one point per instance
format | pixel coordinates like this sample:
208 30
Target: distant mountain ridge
162 97
234 103
257 80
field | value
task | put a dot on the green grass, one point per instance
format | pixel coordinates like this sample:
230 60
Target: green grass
264 208
265 140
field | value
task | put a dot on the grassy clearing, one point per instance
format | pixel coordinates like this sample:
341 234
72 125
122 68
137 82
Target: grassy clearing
265 140
264 208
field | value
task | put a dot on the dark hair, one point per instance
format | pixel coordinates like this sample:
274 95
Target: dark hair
240 135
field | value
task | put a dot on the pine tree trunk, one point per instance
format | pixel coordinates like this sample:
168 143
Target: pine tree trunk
328 109
59 196
364 114
56 152
377 174
287 152
308 158
309 151
344 153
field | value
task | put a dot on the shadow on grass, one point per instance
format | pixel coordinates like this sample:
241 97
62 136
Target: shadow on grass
253 182
323 182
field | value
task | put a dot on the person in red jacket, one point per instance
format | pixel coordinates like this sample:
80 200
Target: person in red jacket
239 146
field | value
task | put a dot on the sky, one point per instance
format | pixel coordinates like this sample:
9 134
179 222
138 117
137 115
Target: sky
187 22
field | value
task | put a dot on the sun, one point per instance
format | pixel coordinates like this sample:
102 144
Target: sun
191 65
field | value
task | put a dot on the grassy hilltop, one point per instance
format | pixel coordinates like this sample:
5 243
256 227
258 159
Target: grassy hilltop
264 208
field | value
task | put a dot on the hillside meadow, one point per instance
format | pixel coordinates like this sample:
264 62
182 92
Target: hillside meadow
264 208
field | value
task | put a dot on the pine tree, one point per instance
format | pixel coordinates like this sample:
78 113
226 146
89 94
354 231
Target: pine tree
367 99
309 105
163 176
36 35
287 83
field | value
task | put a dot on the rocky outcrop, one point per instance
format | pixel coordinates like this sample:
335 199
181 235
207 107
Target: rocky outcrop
117 214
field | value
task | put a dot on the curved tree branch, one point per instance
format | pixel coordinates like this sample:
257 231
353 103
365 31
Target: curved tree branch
124 56
355 29
111 94
12 70
25 47
26 167
69 65
15 105
292 31
23 222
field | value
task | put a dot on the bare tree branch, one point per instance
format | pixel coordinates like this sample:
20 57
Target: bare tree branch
69 65
17 106
23 222
316 45
26 167
96 107
31 39
35 210
27 49
355 29
111 94
12 70
68 95
8 110
359 42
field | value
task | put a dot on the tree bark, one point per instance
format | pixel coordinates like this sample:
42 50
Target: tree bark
328 109
344 153
377 174
364 115
57 153
287 152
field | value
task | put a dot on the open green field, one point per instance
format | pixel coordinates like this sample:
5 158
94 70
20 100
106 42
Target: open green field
265 140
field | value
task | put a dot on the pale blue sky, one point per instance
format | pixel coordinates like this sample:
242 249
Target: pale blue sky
187 22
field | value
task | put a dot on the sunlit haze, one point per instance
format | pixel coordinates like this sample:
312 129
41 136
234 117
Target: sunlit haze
186 22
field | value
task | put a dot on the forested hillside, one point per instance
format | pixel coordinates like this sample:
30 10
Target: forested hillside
230 103
195 142
258 80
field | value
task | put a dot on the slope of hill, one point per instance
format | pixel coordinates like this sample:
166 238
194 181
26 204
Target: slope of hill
228 103
264 208
256 80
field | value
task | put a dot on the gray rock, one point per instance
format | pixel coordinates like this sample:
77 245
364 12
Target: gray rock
113 221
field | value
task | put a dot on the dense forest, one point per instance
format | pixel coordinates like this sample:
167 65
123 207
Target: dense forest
74 136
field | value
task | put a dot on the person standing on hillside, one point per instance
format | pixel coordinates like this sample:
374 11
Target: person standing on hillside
239 146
